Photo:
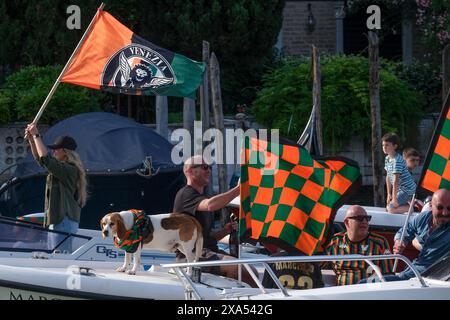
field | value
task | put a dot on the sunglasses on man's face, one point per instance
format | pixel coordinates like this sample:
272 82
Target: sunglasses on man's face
203 166
361 218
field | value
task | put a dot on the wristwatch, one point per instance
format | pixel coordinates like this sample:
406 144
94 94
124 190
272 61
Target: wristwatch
37 135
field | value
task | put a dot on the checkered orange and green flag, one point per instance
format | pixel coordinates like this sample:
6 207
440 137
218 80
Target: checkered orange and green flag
436 168
288 198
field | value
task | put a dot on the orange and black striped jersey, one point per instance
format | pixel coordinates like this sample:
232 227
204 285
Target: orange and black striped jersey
351 272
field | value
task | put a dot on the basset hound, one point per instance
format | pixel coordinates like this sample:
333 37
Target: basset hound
132 229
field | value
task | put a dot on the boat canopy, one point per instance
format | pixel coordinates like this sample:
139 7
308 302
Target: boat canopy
107 143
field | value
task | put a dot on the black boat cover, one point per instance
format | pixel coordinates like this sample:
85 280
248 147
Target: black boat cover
107 143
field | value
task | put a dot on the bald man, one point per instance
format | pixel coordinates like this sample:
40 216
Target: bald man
432 231
357 240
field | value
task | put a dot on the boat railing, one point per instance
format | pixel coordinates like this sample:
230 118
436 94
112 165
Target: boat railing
192 290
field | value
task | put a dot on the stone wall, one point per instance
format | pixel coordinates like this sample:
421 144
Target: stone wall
297 39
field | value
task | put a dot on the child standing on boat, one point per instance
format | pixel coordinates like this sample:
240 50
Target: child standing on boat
400 185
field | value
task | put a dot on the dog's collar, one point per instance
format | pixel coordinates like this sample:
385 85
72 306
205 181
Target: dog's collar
133 237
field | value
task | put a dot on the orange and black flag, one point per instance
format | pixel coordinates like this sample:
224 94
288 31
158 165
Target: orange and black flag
113 58
436 168
290 199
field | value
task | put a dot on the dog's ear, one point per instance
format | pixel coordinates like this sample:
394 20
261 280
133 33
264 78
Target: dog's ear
102 222
120 226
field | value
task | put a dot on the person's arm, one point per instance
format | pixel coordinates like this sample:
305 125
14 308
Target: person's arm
388 190
40 148
218 201
409 235
417 244
30 138
395 189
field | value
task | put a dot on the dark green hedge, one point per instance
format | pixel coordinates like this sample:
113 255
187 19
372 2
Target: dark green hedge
24 92
287 92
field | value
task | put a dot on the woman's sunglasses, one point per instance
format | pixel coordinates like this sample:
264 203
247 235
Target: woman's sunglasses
361 218
203 166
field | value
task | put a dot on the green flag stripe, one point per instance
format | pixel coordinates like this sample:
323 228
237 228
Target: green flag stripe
349 172
437 164
290 234
314 228
445 184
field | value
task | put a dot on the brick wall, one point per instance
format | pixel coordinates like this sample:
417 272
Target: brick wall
297 39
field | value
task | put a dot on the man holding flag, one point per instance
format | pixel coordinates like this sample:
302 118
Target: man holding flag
431 228
432 231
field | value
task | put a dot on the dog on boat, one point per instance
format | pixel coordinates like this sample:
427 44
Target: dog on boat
132 230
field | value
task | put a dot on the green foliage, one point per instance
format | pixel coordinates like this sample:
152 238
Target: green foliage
175 117
242 34
434 20
287 92
25 91
425 78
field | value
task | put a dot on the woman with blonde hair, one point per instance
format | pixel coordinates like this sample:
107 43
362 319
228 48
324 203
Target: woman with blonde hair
66 186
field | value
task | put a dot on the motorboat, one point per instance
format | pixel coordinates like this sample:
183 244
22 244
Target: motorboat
433 284
170 281
28 244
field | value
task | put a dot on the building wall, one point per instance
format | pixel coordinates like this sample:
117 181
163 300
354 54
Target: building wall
297 39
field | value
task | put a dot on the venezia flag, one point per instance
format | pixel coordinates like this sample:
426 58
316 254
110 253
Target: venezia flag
113 58
288 198
436 168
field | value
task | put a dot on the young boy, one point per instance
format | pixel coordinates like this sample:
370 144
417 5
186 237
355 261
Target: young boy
399 182
412 158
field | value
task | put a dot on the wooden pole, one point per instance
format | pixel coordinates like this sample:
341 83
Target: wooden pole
204 90
377 159
188 119
56 84
204 103
162 116
445 72
316 95
218 121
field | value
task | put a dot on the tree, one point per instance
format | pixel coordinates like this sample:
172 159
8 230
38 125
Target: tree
286 94
242 33
25 90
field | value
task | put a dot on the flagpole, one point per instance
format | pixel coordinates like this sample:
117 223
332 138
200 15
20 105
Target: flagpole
55 85
410 210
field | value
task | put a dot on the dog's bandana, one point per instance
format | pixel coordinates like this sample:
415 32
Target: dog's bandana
134 236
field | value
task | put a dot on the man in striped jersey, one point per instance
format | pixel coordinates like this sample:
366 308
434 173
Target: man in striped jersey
357 240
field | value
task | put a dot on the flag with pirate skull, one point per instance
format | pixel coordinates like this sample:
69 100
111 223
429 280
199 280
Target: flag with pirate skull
113 58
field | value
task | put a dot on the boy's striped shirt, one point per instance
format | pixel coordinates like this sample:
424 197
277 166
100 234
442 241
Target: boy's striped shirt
398 165
351 272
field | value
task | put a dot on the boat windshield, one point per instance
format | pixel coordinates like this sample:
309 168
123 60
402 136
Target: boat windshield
440 270
22 236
